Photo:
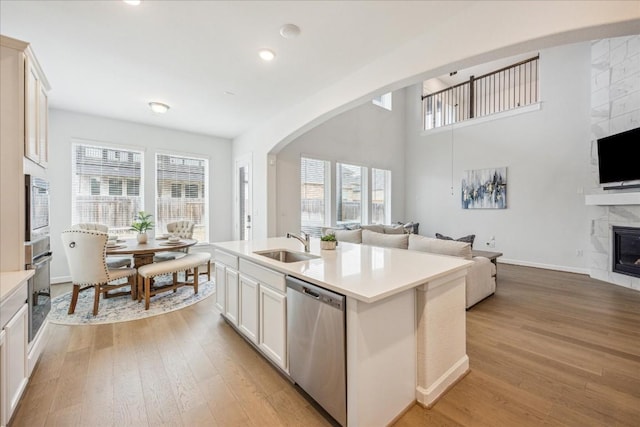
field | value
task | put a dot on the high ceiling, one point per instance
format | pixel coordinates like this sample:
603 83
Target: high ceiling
201 57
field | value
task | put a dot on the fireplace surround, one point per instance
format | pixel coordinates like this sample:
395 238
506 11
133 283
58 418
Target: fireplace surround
626 250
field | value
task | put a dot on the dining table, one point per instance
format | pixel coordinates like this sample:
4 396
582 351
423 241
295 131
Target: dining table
143 253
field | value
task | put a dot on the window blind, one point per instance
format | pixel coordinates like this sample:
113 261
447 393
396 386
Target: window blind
314 193
350 188
182 193
380 196
99 194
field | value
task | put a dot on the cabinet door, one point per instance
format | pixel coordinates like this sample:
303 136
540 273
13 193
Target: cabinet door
231 311
31 113
273 325
220 287
16 366
248 315
43 127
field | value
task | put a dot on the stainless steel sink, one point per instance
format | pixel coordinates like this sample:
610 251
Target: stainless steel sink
286 256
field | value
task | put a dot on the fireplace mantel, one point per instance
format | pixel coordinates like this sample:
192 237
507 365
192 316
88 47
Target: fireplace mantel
613 199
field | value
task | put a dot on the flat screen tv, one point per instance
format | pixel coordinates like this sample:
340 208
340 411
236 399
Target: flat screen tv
619 157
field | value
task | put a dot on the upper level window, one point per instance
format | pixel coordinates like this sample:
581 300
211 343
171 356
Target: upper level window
314 195
383 101
500 90
97 193
380 196
182 193
351 194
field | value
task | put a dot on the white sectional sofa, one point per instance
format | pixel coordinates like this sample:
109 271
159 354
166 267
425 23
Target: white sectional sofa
481 281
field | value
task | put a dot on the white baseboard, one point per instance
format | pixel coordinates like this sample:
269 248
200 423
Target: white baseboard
60 279
544 266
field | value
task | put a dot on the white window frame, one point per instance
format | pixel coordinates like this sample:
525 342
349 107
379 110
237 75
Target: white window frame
364 192
387 194
327 193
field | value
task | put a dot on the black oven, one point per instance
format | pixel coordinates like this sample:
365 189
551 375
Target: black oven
37 251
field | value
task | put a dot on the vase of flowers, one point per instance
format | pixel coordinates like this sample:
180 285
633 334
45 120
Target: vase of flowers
142 223
328 242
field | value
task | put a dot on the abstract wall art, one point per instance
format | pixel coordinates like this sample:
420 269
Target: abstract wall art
485 189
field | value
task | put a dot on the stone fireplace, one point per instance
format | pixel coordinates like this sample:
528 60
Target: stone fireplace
626 250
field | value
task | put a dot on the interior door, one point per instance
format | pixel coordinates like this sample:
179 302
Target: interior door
243 198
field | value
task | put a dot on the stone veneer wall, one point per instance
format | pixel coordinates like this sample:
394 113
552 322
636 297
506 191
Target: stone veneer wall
615 107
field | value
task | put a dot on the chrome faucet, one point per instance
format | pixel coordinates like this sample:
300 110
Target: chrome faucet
304 240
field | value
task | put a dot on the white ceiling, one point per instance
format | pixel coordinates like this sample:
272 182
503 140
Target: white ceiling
110 59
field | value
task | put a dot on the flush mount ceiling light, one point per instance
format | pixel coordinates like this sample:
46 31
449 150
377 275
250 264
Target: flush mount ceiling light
266 54
289 31
159 107
132 2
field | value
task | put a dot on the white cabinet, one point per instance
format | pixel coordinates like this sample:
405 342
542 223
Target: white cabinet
3 370
273 325
248 315
231 306
36 144
220 287
15 374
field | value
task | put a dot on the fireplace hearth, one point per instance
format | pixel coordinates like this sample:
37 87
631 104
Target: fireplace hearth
626 251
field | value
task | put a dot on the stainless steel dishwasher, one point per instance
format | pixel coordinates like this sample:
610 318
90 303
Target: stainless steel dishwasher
317 349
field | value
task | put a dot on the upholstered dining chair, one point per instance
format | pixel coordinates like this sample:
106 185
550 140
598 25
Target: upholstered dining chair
86 256
112 261
182 229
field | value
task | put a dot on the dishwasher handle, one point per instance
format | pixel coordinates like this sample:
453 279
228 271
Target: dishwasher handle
322 295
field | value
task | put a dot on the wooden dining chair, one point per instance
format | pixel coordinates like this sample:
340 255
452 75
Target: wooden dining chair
86 257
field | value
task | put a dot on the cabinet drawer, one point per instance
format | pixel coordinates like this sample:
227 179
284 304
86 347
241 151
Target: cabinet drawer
12 304
264 275
226 259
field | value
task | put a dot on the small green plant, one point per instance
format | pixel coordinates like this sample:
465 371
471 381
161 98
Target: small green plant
142 222
328 238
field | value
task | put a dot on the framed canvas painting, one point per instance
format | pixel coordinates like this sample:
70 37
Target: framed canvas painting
485 189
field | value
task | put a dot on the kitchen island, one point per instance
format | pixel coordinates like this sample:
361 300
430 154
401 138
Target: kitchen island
405 316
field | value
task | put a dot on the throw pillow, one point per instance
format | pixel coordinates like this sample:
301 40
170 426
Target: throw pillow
385 240
374 227
393 229
349 236
467 239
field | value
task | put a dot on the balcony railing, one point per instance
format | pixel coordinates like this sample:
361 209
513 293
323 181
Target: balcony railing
501 90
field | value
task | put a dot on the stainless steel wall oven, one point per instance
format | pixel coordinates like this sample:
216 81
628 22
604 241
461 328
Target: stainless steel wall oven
37 251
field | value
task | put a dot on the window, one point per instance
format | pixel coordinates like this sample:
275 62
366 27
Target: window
314 195
91 166
351 194
173 174
133 187
383 101
380 196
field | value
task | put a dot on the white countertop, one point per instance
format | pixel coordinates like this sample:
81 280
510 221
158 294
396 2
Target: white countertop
366 273
10 281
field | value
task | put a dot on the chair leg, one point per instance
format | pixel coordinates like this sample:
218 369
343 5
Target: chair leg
96 299
74 299
133 286
147 291
209 270
195 280
175 281
140 284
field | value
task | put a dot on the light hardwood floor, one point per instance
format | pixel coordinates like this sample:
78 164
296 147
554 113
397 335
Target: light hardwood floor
549 348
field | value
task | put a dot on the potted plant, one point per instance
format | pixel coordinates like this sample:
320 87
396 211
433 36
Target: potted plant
142 223
328 242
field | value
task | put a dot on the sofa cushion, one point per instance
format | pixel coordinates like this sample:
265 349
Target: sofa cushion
394 229
467 239
378 228
439 246
349 236
385 240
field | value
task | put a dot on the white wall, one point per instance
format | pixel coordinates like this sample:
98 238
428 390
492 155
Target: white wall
545 153
64 126
546 24
366 135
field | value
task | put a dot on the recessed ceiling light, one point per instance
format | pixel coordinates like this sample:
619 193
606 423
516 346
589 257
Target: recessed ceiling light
267 54
289 31
159 107
132 2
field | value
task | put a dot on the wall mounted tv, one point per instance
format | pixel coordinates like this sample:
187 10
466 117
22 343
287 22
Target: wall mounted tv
619 157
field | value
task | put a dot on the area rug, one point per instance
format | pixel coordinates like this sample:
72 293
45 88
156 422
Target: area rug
123 308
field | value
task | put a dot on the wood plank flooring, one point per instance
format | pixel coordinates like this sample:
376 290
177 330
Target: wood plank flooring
549 348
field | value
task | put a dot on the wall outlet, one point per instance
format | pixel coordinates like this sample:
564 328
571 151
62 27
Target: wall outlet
579 252
492 242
